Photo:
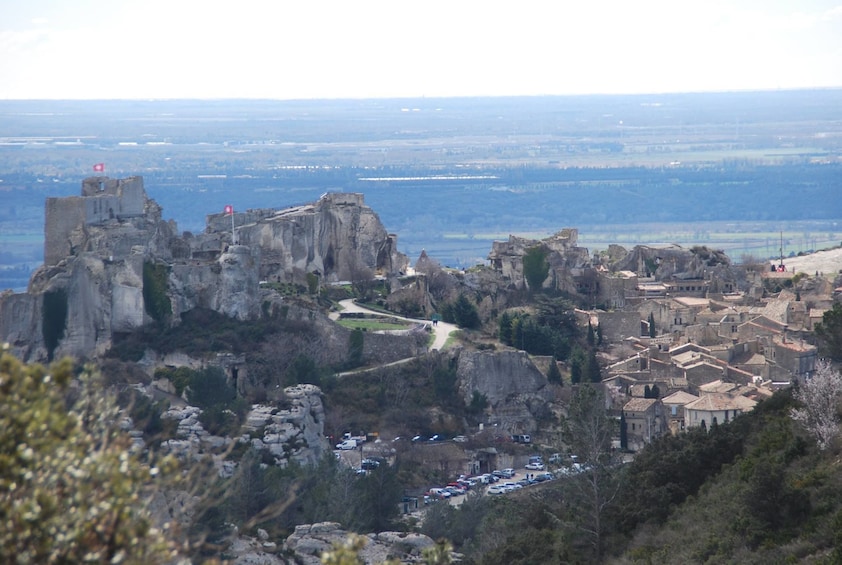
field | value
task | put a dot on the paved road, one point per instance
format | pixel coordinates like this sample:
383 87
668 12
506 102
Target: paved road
441 330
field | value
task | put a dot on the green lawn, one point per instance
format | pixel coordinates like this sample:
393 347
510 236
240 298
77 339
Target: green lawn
373 325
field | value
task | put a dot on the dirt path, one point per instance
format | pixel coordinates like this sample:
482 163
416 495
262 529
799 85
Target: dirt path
441 330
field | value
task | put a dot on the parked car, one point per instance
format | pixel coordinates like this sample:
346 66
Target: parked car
534 466
369 464
347 444
555 459
455 491
460 439
440 493
507 473
541 477
496 489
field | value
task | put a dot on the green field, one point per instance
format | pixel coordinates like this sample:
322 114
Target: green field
374 324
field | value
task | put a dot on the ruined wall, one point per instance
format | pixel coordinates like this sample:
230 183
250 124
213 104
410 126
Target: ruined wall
64 219
617 326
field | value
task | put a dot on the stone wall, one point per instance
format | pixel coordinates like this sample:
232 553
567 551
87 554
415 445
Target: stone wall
63 217
617 326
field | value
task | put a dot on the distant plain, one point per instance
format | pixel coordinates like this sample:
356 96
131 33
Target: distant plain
736 171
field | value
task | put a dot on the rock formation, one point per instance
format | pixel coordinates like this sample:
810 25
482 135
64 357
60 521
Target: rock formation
565 258
509 380
309 541
335 238
111 264
293 433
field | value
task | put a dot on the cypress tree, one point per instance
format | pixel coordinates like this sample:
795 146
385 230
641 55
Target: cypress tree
594 374
505 328
576 370
624 432
553 374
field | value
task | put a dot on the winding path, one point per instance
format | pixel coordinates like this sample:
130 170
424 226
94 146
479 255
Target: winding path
441 330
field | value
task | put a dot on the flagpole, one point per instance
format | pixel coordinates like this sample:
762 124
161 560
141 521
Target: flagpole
233 233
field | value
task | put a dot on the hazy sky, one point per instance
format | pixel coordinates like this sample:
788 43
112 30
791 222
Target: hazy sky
409 48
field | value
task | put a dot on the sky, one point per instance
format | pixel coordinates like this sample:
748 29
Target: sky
310 49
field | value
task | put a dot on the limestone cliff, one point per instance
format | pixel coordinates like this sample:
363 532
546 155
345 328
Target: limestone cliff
112 264
337 238
514 387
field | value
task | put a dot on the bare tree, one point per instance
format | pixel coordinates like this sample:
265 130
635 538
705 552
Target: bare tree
589 431
362 279
820 397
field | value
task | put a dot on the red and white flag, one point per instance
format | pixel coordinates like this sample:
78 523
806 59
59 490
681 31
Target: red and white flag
99 167
229 209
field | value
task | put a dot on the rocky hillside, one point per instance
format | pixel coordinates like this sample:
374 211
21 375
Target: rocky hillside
112 265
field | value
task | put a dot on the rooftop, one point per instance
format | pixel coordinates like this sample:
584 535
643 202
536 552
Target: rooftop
639 404
718 401
679 397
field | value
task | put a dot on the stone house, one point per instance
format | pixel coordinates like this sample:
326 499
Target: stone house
674 409
715 408
644 421
795 357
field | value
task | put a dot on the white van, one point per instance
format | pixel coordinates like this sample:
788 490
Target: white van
347 444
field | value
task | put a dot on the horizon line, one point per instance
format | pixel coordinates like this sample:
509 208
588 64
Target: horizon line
424 97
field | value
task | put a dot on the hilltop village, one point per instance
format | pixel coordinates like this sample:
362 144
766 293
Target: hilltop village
710 336
678 338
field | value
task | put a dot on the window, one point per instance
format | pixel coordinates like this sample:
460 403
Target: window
674 410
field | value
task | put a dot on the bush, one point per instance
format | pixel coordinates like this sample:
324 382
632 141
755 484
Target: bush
155 297
53 319
71 491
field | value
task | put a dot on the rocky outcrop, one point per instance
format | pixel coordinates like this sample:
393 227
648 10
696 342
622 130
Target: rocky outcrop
516 390
309 541
108 252
295 433
337 238
565 259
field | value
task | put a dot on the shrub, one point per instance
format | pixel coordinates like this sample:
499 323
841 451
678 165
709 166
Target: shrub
53 319
155 297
